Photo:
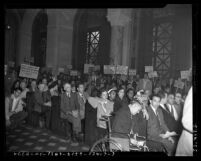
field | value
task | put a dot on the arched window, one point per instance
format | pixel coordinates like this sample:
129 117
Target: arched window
39 39
91 38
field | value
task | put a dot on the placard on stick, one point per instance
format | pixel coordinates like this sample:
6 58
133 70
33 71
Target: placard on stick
122 70
132 72
109 69
148 69
73 72
184 74
179 84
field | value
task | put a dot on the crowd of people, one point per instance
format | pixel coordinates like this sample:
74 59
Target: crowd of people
75 105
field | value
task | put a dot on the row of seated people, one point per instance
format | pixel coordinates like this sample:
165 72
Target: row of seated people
83 113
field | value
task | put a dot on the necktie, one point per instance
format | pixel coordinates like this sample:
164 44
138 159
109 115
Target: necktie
167 109
172 111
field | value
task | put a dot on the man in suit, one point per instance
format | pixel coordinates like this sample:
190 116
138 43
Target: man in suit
168 118
82 98
14 109
178 104
69 113
156 128
170 106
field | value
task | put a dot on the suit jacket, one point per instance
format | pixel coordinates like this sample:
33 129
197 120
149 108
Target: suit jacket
171 123
169 120
155 127
81 101
124 122
118 103
68 104
38 101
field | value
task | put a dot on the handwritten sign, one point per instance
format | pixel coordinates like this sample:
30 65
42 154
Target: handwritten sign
148 69
185 74
132 71
179 84
29 71
109 69
122 70
73 72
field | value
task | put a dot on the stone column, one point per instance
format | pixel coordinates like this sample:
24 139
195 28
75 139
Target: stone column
138 12
127 39
118 20
52 40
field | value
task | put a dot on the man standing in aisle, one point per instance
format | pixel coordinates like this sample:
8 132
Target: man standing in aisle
69 113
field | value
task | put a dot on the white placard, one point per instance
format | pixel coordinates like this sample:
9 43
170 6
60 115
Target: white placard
179 84
122 70
109 69
149 69
185 74
73 72
61 70
132 71
29 71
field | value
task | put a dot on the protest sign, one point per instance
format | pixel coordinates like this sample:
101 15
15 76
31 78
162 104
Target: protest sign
29 71
73 72
148 69
179 84
132 71
109 69
185 74
122 70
